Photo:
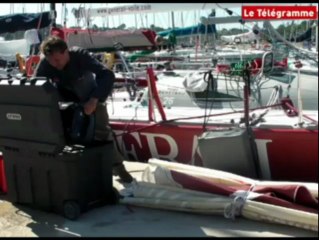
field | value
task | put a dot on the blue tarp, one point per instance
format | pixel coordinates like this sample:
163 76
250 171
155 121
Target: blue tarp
197 29
23 21
303 37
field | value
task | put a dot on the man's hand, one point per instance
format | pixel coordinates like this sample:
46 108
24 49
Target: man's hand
90 106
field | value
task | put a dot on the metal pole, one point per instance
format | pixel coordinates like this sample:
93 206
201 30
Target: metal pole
107 19
146 20
11 8
135 20
206 35
246 78
53 14
182 19
65 14
173 22
299 98
317 36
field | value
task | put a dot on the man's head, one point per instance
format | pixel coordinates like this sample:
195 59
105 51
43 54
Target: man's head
56 52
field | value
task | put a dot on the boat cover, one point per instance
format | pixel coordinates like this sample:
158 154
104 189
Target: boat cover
241 38
8 49
97 41
24 21
197 29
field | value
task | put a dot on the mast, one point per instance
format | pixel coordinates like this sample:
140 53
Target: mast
316 31
317 36
173 20
64 17
11 8
146 20
53 14
135 17
182 19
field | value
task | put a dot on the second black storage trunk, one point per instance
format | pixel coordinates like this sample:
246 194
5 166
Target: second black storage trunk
67 183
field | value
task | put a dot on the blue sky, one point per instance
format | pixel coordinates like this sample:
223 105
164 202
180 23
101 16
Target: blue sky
182 18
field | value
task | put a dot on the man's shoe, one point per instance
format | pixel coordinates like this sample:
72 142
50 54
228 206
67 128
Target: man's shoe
119 170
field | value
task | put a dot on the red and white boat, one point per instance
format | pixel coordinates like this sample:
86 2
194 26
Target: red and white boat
286 141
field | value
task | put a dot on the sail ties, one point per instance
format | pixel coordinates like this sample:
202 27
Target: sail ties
234 209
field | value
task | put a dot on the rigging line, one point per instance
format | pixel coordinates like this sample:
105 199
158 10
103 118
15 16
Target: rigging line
238 15
225 9
291 28
79 18
87 18
125 131
142 21
206 99
33 48
11 8
194 117
214 87
62 12
65 15
270 36
227 91
213 84
42 7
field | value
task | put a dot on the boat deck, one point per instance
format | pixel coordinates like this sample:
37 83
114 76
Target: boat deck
130 221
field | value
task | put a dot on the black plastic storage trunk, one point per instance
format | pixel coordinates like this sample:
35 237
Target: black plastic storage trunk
68 183
42 171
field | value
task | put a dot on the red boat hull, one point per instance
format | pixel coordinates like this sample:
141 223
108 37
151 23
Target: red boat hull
292 154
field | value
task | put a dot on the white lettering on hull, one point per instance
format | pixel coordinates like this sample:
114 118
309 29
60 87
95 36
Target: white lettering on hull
263 158
133 150
153 148
125 151
130 148
195 150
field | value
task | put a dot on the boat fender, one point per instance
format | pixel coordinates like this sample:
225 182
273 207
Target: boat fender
109 60
21 63
237 40
298 64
